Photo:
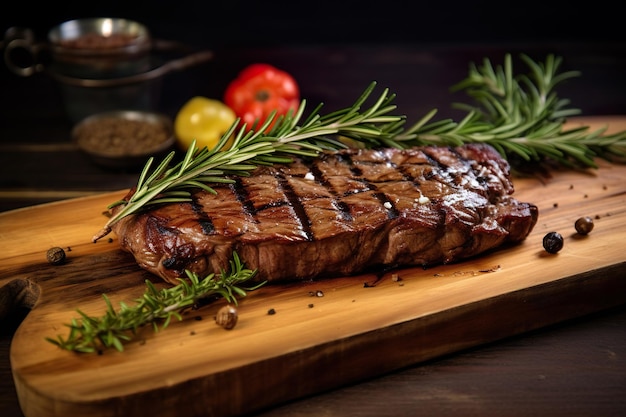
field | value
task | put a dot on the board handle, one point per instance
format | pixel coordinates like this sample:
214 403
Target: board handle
19 293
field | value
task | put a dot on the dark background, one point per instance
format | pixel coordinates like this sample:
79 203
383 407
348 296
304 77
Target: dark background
437 40
237 22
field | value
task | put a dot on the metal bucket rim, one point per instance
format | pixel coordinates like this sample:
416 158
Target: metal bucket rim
104 26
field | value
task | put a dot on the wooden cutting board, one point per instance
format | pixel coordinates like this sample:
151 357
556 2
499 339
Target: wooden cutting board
361 327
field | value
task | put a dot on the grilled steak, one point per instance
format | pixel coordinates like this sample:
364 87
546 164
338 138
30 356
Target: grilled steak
338 215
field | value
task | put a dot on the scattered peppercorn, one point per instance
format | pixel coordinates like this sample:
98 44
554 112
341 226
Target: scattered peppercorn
584 225
271 312
553 242
227 317
56 255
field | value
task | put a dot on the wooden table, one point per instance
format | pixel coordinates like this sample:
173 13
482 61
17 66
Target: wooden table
575 368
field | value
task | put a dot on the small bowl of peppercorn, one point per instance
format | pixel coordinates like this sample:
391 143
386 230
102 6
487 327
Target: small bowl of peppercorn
125 139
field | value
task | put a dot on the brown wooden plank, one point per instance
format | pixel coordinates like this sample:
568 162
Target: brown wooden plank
311 344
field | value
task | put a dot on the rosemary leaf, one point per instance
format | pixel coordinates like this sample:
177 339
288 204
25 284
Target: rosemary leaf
154 307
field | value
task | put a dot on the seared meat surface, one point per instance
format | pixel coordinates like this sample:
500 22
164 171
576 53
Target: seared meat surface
338 215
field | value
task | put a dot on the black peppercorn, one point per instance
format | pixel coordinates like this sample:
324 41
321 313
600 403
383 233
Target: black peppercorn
553 242
227 317
56 256
584 225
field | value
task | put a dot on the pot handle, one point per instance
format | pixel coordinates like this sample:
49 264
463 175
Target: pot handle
19 43
170 66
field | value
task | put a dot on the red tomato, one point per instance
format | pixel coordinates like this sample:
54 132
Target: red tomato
259 90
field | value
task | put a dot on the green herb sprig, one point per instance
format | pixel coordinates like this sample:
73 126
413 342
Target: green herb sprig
156 307
519 115
251 148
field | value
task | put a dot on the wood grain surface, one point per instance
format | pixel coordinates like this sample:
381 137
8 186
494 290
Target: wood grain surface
362 326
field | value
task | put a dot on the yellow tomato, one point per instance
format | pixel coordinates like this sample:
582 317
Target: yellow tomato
203 119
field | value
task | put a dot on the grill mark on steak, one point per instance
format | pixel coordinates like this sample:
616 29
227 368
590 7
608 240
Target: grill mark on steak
296 204
203 218
243 197
361 209
384 200
318 174
320 178
358 172
344 210
390 208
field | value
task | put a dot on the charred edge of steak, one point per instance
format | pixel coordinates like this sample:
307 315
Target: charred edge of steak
338 214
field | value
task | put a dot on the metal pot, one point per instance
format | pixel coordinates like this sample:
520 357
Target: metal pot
101 64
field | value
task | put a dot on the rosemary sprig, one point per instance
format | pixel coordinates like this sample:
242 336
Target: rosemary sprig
519 115
114 328
251 148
